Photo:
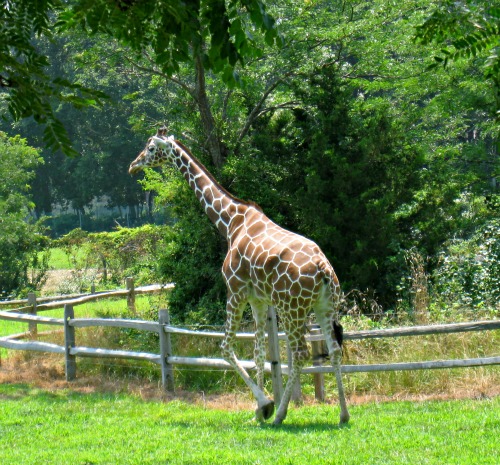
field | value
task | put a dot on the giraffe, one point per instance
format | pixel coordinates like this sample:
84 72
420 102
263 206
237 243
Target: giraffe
265 265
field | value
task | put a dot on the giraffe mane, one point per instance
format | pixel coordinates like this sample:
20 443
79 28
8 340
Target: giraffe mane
211 177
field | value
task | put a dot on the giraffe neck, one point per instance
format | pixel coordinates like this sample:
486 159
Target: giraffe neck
218 203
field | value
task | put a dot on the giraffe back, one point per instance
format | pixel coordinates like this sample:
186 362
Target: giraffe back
267 263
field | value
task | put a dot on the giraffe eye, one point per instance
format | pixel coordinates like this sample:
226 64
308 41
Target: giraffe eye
151 148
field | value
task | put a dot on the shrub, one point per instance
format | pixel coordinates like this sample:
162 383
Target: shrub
109 257
469 271
21 239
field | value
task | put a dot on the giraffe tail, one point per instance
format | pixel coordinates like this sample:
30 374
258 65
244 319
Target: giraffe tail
338 331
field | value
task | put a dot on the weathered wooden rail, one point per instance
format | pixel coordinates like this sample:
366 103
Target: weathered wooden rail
167 360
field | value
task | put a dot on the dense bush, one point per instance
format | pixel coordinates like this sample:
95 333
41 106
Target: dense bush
21 265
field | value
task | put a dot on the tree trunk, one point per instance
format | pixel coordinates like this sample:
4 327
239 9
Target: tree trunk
216 148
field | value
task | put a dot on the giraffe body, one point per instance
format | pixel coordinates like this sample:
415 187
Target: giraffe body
265 265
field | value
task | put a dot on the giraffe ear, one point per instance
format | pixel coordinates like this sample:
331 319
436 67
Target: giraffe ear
171 138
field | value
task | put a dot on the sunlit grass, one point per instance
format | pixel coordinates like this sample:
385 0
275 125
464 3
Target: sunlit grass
60 260
62 427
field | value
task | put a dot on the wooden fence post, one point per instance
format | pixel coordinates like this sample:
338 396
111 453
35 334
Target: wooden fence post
69 343
167 370
131 294
33 329
318 350
274 353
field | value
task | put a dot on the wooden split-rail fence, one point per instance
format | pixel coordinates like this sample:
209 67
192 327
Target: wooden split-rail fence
166 359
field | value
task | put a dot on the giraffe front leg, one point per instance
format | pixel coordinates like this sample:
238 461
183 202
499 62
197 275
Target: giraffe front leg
265 406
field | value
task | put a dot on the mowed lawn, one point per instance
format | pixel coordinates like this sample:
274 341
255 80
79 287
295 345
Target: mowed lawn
64 427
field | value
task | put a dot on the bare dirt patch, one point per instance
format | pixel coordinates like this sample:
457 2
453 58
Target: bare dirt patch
55 278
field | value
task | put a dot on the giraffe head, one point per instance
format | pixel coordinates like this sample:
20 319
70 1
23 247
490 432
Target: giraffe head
158 150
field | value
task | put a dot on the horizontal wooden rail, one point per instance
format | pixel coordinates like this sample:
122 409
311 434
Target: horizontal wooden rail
18 310
26 317
59 301
91 297
4 303
404 366
214 334
367 334
416 330
104 353
215 363
115 323
31 345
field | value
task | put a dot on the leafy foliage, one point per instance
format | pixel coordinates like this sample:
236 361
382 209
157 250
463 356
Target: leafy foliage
20 240
30 90
178 30
346 133
175 30
473 28
192 255
114 255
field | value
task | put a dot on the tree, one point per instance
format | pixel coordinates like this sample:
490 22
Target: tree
213 33
20 239
342 135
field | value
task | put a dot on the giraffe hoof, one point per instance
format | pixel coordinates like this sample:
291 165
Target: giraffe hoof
344 419
277 421
265 411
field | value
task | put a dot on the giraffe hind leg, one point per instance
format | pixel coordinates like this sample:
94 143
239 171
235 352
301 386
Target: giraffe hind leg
333 332
259 314
333 337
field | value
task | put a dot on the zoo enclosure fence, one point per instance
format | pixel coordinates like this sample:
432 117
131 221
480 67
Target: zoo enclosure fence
166 358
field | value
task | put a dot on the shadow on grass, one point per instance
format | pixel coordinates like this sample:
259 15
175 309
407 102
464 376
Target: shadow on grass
313 426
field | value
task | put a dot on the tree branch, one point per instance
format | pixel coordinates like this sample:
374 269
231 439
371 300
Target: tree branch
167 77
257 109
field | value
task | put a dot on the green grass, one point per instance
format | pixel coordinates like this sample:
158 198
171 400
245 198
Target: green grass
59 259
62 427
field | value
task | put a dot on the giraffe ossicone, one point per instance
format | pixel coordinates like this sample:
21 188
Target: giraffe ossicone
265 265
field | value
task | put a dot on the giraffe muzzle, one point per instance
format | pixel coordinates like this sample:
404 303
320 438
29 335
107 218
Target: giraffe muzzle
134 169
135 166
